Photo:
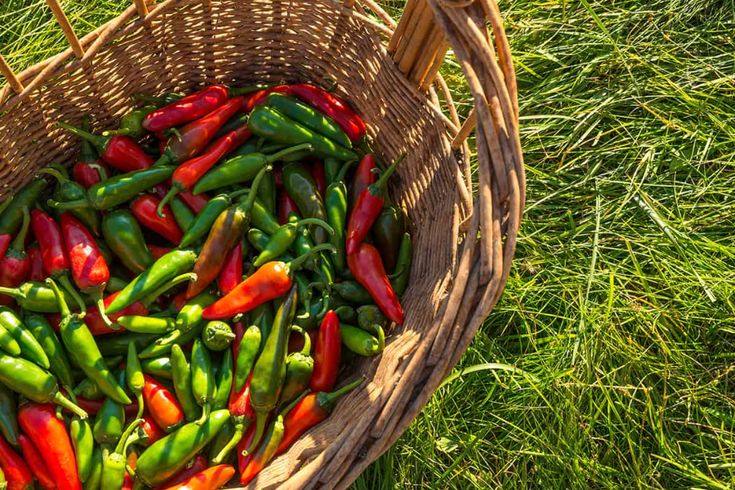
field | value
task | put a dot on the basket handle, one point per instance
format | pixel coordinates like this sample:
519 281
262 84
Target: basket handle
66 27
142 7
10 76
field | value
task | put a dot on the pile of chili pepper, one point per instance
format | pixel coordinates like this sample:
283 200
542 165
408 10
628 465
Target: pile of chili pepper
186 302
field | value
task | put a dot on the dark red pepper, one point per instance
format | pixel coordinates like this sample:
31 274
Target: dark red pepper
94 406
158 251
35 272
366 210
367 268
231 274
317 171
119 152
187 109
151 429
144 210
17 473
199 463
5 240
88 174
195 202
364 177
258 98
332 106
286 206
36 462
16 264
327 352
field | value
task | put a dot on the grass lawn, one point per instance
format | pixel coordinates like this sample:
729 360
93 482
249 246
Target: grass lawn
619 309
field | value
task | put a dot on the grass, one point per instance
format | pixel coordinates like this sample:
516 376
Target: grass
618 313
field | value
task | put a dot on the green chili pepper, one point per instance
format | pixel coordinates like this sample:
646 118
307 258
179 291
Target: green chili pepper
272 124
207 216
217 336
157 350
388 230
36 296
262 219
269 372
183 214
304 287
240 169
362 342
125 238
246 354
88 389
68 190
220 443
109 422
346 314
8 418
94 480
161 272
82 347
202 378
8 343
309 117
268 449
282 239
352 292
399 281
302 188
189 317
335 202
118 189
317 309
303 243
332 168
258 239
134 376
131 124
263 316
181 371
12 215
82 439
159 367
267 193
116 284
146 324
368 315
299 367
167 456
224 382
117 345
114 464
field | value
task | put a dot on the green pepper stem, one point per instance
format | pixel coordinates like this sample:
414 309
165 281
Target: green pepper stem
12 292
55 173
172 192
249 89
233 195
189 276
327 400
378 187
100 301
64 402
63 307
69 288
295 402
170 338
248 204
306 351
301 259
260 420
206 408
19 243
343 171
99 142
68 205
240 428
122 444
316 221
378 330
288 151
101 170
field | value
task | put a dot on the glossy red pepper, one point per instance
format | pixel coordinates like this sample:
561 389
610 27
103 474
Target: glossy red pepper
189 172
151 430
162 404
198 464
5 240
195 202
364 177
94 406
158 251
119 152
327 352
88 266
231 274
243 456
195 136
35 273
317 171
186 109
144 210
88 174
207 479
286 206
367 268
17 472
369 204
49 434
332 106
258 98
94 320
36 462
15 265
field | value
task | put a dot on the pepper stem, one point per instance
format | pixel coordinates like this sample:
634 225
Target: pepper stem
63 307
19 243
12 292
141 405
99 142
68 205
100 301
233 195
122 444
301 259
55 173
378 187
69 288
326 400
189 276
316 221
248 204
249 89
64 402
288 151
172 192
231 444
343 171
170 338
260 419
100 170
306 351
206 408
378 331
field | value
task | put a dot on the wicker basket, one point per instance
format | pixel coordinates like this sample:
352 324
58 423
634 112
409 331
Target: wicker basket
464 245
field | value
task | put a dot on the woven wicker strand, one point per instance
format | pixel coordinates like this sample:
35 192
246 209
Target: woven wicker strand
390 73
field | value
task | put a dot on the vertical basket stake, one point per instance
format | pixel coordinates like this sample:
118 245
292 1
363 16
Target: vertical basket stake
66 27
9 74
141 7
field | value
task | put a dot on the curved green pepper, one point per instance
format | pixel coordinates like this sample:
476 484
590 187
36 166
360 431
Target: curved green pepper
12 216
109 422
258 239
224 382
156 350
267 193
285 235
125 238
134 376
181 372
207 216
146 324
114 464
399 281
362 342
388 230
8 343
82 439
352 292
246 354
309 117
219 444
262 219
217 336
159 367
131 124
68 190
302 188
335 202
189 317
8 418
183 214
299 367
202 378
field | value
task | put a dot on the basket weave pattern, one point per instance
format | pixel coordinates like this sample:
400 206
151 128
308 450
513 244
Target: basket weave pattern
388 72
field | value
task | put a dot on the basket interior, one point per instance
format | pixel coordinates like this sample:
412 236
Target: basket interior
235 42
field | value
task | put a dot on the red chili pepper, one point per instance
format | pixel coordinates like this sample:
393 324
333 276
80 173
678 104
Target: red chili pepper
195 203
15 265
5 240
199 463
239 404
244 457
231 274
179 301
119 152
186 109
195 136
286 206
317 171
94 321
152 430
327 354
207 479
144 210
88 174
36 462
364 177
128 480
88 266
53 253
16 470
94 406
158 251
162 404
367 267
258 98
188 173
367 208
49 434
309 411
35 272
332 106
